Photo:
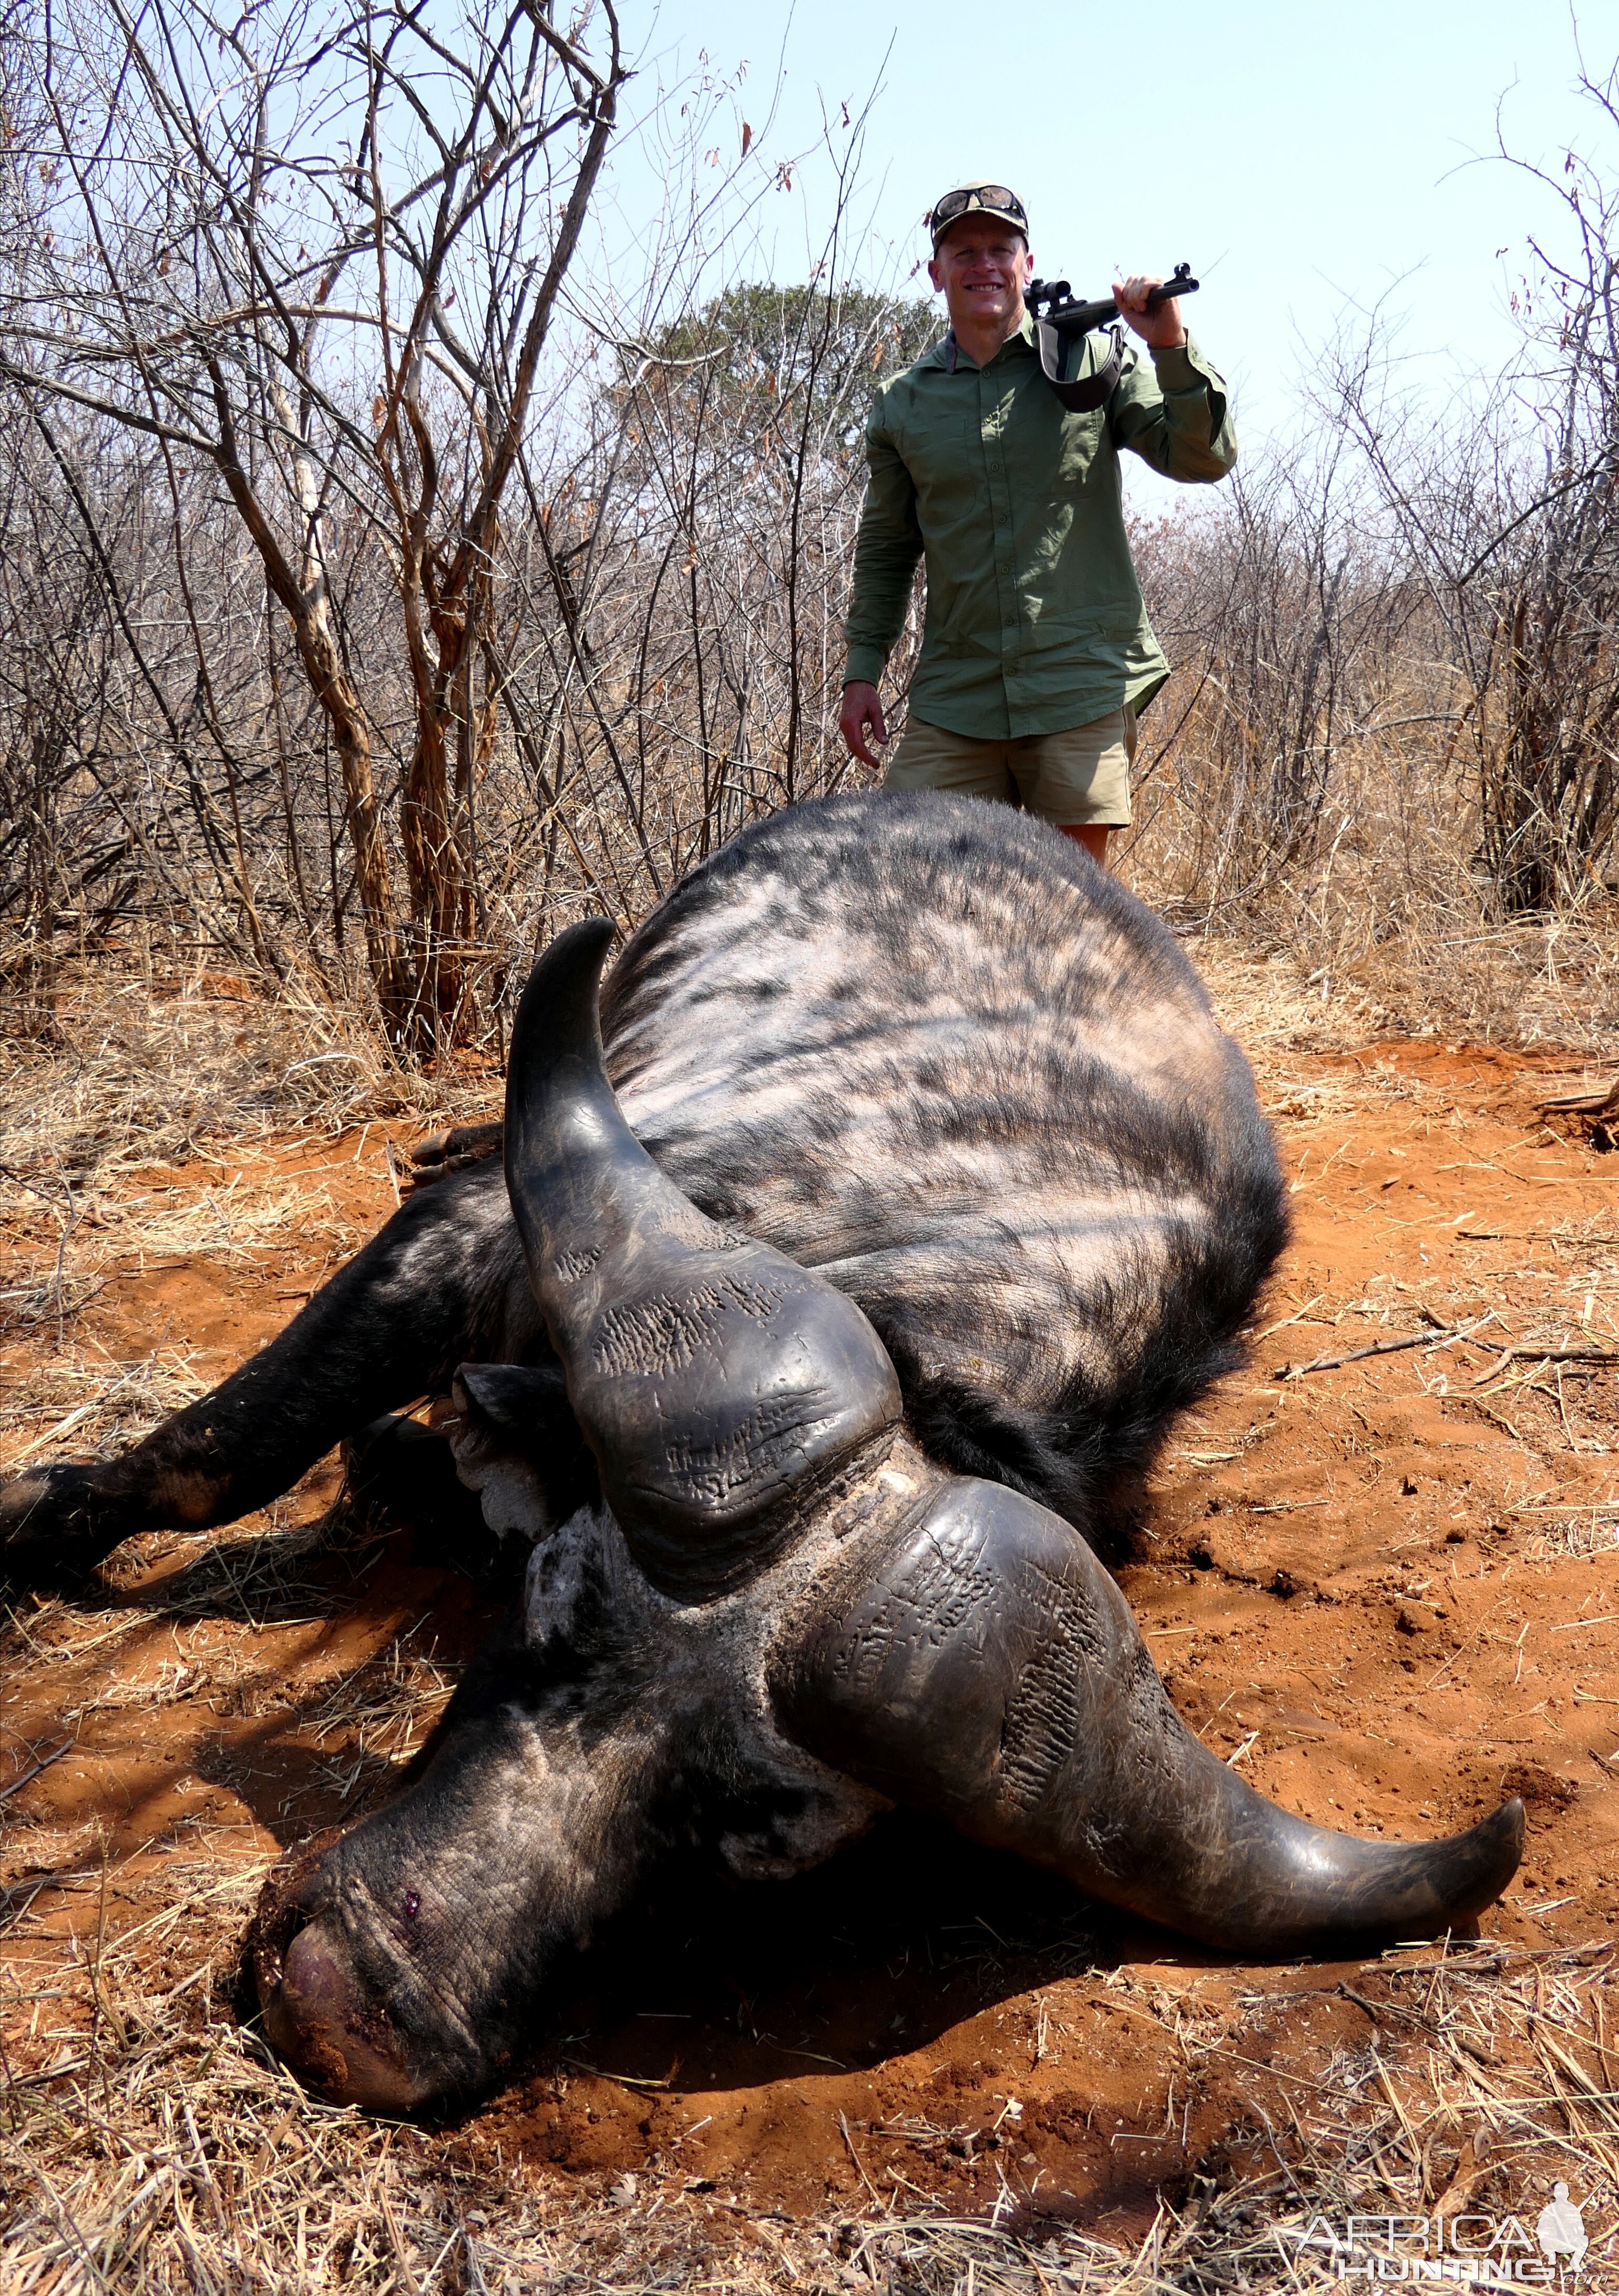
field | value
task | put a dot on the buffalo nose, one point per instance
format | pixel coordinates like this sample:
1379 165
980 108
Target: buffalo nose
318 2021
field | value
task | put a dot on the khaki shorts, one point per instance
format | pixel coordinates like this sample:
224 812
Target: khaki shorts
1076 779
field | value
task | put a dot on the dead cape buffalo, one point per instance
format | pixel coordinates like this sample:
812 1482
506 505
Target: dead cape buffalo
806 1335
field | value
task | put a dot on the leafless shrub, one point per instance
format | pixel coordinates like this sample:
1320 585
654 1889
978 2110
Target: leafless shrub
1502 518
1297 639
689 572
316 257
351 593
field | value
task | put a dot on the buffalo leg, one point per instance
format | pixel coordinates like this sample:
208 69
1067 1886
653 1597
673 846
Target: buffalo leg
442 1282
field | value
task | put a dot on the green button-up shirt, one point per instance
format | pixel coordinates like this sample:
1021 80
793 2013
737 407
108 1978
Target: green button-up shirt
1035 618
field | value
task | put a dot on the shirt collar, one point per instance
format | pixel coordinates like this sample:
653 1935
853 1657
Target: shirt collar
944 354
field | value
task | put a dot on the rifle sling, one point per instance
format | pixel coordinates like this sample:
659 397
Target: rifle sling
1084 397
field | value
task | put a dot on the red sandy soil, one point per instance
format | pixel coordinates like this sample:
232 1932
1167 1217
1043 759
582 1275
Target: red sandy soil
1389 1589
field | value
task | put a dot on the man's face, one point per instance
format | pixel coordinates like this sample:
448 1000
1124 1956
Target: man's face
981 266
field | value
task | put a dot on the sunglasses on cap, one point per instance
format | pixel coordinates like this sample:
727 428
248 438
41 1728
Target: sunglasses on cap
972 199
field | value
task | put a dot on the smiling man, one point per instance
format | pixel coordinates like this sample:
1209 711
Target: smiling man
1037 653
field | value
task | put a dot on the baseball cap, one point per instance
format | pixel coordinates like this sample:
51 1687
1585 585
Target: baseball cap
980 198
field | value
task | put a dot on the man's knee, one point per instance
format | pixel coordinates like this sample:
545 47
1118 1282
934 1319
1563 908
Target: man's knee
1093 839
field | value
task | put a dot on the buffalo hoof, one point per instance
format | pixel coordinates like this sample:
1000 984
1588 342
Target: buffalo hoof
53 1531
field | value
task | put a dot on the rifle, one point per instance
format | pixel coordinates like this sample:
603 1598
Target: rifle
1060 335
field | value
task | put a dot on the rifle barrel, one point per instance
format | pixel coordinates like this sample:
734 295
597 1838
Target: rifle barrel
1070 318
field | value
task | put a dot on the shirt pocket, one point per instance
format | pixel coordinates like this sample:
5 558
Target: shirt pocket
943 451
1057 451
1079 445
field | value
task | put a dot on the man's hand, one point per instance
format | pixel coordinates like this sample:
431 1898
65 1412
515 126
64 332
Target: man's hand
1161 328
862 708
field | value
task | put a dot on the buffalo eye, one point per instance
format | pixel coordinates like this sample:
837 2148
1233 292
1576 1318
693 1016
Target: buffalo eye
412 1904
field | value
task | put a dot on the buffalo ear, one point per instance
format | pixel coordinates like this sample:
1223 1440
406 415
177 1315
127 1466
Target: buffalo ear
518 1399
721 1386
518 1445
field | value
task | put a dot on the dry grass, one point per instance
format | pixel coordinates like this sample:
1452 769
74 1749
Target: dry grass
162 2149
138 1072
135 1141
94 1404
1550 984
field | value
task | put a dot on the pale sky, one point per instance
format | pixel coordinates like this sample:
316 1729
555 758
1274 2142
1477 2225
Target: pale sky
1308 160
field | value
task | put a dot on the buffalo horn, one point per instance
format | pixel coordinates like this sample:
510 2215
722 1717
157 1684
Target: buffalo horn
976 1660
720 1386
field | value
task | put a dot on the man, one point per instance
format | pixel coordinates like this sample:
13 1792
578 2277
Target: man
1037 654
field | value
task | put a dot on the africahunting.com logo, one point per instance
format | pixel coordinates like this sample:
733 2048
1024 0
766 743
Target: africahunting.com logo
1461 2251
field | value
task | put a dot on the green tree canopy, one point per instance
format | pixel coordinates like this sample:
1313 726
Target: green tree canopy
762 359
